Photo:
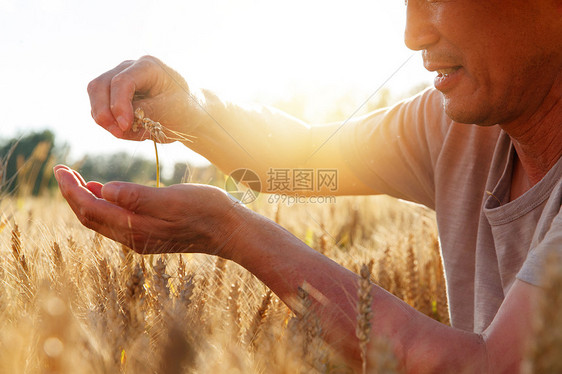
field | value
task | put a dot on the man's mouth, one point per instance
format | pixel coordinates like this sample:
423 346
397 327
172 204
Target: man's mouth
447 77
445 72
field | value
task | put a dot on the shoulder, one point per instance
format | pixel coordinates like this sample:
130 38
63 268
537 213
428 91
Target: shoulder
547 239
422 114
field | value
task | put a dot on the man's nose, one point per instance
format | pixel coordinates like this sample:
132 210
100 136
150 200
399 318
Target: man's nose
420 30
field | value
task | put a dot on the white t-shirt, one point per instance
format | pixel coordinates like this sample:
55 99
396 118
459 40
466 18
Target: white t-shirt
413 151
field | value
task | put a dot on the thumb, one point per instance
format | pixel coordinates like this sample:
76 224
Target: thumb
133 197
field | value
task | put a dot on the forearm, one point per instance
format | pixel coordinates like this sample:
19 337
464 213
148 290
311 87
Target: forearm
262 138
284 263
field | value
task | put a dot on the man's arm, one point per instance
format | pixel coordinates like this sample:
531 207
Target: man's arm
203 219
230 136
421 344
261 138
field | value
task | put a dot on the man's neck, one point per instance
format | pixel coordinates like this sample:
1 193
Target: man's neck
538 138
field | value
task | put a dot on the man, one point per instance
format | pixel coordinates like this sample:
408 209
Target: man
483 151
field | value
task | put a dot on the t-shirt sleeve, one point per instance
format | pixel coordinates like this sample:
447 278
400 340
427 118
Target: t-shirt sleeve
547 250
394 150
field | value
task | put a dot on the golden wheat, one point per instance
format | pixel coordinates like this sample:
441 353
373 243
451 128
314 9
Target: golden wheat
122 312
545 350
364 313
156 133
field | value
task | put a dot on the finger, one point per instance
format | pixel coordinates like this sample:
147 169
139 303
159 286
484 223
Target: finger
141 76
99 91
97 214
59 166
95 188
137 198
75 174
78 177
92 186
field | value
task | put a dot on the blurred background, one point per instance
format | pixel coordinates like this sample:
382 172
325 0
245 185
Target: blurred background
318 60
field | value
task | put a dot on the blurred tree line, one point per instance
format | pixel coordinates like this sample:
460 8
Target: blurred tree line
26 164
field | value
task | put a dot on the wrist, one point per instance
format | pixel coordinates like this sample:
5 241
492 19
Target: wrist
237 223
205 110
198 111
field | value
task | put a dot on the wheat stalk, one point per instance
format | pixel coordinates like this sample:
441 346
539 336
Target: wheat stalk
58 259
19 257
412 277
220 265
21 264
234 308
543 354
156 134
384 265
156 131
159 286
127 317
259 317
364 313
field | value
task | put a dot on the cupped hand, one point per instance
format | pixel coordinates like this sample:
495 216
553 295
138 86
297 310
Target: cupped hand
179 218
148 83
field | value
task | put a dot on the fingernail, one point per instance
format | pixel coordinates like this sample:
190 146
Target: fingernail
110 191
59 178
122 123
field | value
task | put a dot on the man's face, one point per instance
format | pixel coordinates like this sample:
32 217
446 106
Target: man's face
495 60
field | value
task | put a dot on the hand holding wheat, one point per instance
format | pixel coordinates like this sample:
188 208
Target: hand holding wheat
149 84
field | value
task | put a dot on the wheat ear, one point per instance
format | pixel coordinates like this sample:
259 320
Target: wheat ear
259 317
543 354
156 134
364 313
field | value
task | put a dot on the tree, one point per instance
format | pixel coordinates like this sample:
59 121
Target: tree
26 162
118 166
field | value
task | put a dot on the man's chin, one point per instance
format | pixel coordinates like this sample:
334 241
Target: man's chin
462 110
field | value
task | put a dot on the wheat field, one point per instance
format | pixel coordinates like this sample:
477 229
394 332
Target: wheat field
72 301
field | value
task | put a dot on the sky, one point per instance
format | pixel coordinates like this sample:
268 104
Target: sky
259 51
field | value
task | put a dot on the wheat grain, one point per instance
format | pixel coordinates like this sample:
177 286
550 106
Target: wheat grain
181 267
258 319
17 252
234 309
115 326
545 352
220 265
384 267
412 277
157 134
57 258
364 313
